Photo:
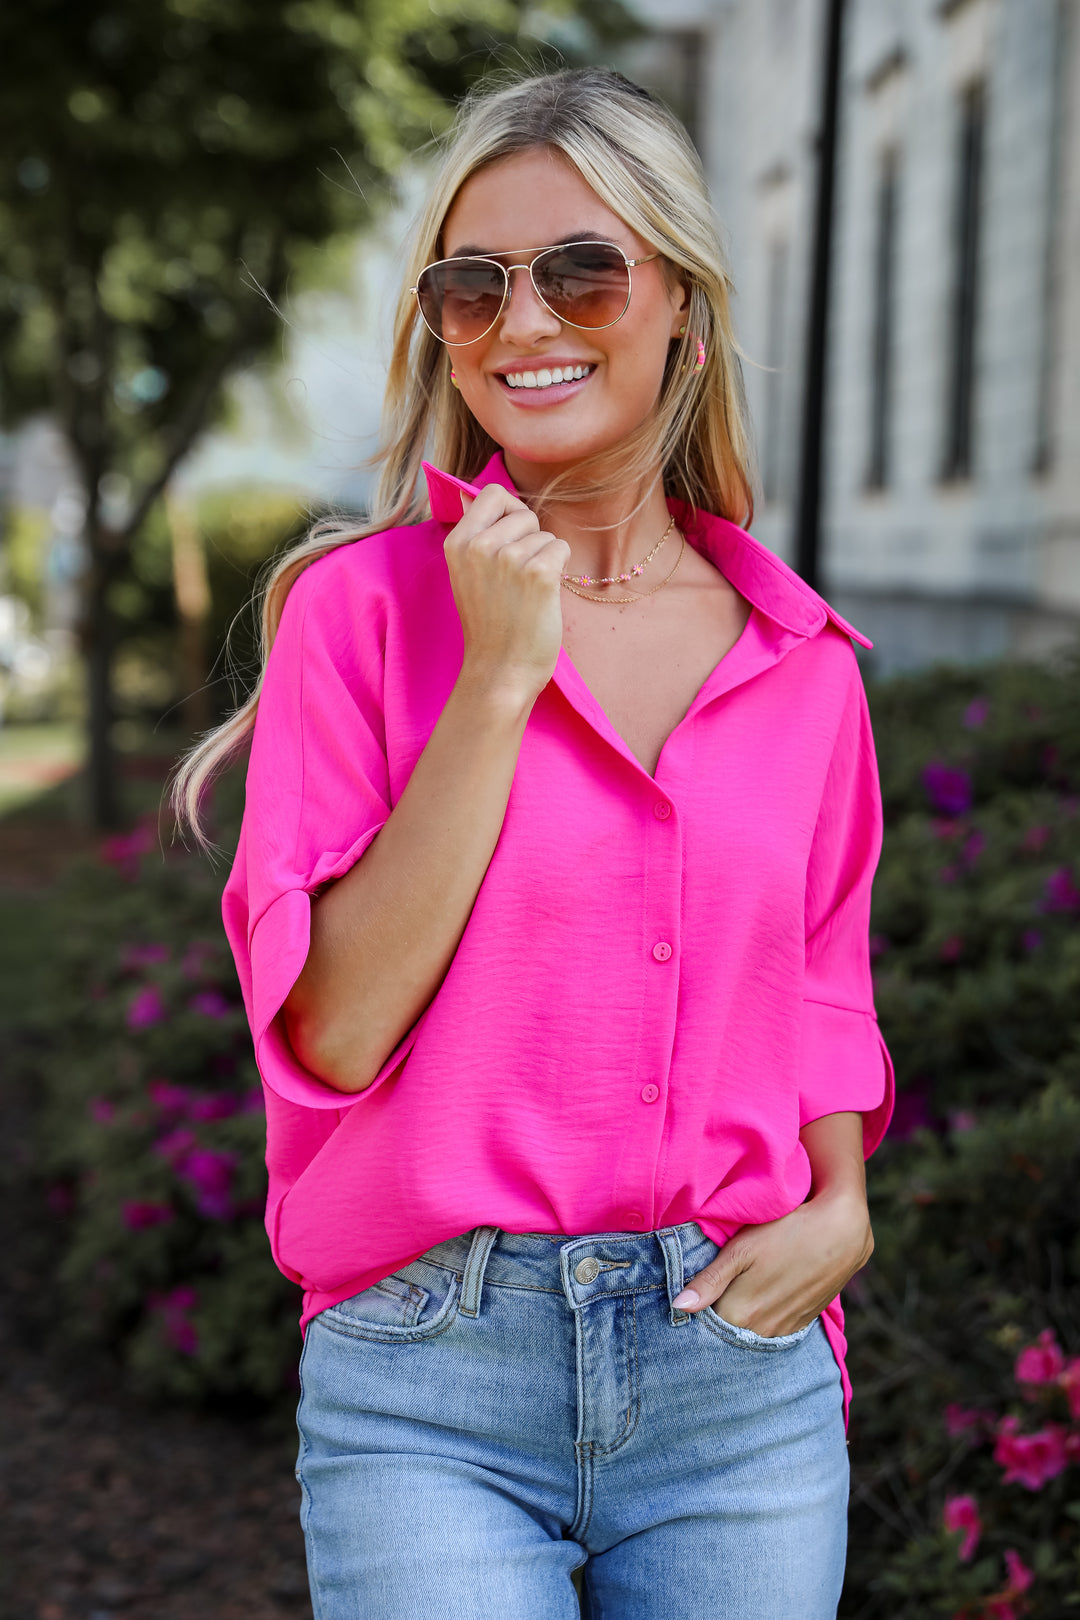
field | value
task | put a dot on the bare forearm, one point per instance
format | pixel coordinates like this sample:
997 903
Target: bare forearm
383 937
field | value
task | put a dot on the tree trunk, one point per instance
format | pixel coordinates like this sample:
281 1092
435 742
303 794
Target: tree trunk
97 640
192 590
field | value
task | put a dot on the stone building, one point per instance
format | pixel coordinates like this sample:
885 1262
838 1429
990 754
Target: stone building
951 522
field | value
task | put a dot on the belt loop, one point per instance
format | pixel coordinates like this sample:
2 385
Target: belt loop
483 1241
673 1265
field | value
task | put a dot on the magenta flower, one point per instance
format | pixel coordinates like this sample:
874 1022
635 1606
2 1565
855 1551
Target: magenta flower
60 1198
1069 1380
102 1110
1061 893
210 1004
134 957
219 1105
948 789
209 1173
962 1120
125 850
147 1008
974 844
253 1101
962 1513
967 1420
948 874
195 958
1030 1460
172 1309
1042 1362
910 1114
1035 839
879 944
951 949
1031 940
1008 1604
175 1146
977 713
170 1100
139 1214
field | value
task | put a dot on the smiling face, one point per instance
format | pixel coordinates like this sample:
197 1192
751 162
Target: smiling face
611 376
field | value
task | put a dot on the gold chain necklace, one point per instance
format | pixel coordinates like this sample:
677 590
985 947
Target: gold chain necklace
620 579
624 601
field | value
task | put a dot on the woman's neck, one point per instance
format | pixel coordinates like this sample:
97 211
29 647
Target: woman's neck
606 535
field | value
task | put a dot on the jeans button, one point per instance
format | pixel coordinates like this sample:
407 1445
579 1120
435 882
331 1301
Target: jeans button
587 1270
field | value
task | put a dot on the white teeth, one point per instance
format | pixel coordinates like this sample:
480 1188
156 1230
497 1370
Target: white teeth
545 378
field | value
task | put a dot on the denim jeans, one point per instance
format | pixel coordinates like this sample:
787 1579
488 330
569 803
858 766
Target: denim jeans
509 1408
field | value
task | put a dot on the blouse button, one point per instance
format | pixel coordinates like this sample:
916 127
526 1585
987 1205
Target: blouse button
662 951
633 1217
661 810
650 1093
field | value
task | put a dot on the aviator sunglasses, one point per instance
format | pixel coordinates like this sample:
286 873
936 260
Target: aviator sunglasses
584 284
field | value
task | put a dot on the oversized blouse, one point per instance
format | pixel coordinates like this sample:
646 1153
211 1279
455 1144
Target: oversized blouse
663 977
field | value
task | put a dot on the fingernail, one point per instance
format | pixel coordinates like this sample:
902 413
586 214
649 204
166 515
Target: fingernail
687 1298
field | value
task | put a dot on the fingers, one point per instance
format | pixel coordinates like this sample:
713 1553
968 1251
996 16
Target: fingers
711 1282
484 510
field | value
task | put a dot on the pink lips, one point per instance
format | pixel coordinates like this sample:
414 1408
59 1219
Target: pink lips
552 394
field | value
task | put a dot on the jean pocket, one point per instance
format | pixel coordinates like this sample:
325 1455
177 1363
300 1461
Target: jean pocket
414 1303
746 1339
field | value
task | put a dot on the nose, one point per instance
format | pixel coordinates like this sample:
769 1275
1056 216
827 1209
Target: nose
525 318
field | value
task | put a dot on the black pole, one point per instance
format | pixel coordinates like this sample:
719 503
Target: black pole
808 513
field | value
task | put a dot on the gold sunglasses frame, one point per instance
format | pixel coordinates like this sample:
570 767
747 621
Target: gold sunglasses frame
556 247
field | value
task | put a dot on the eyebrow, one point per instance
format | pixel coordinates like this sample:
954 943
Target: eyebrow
470 251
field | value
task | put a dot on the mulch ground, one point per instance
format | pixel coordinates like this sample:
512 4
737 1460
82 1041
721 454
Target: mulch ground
111 1509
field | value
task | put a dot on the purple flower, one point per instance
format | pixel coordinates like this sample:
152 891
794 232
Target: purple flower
139 1214
977 713
879 944
102 1110
210 1004
948 789
911 1114
1061 893
948 874
1031 940
253 1101
134 957
175 1146
974 844
147 1008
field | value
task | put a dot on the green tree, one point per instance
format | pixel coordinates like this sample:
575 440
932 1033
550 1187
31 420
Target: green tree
165 167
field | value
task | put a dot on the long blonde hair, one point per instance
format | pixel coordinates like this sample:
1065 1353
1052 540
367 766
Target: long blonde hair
639 160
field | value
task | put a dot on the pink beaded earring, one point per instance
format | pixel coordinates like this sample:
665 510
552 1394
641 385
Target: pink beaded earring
699 364
453 377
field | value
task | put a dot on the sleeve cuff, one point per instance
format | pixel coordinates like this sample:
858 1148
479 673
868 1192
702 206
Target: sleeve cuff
845 1068
278 950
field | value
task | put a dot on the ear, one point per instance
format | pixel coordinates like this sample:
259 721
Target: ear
680 307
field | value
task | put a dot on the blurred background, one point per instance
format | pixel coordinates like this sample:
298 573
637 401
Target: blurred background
203 211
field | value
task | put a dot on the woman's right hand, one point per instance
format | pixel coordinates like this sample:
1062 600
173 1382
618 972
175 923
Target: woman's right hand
505 574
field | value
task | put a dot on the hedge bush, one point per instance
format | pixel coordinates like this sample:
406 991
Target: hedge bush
965 1328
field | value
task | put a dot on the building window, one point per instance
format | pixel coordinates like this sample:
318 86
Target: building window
881 351
775 343
967 211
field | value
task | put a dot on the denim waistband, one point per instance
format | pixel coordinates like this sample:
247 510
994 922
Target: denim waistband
583 1269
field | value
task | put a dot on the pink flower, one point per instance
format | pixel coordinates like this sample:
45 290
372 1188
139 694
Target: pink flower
133 957
1042 1362
1008 1604
879 944
175 1146
962 1120
1031 940
977 713
147 1008
1069 1379
253 1101
1030 1460
1035 839
1018 1574
220 1105
140 1214
974 844
948 874
210 1004
60 1198
1061 893
195 958
951 949
102 1110
962 1513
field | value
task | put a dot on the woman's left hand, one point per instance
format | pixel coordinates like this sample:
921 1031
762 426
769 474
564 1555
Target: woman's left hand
775 1278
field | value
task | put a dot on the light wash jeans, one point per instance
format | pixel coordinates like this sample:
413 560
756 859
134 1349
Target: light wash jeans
484 1421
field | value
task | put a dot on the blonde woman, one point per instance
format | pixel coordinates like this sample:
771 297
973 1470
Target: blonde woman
551 911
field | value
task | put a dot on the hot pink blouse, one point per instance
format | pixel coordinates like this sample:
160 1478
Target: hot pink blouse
663 977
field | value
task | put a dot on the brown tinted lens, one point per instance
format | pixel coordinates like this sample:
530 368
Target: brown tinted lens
461 298
585 284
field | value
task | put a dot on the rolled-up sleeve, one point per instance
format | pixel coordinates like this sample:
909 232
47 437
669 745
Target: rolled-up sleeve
844 1063
318 762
